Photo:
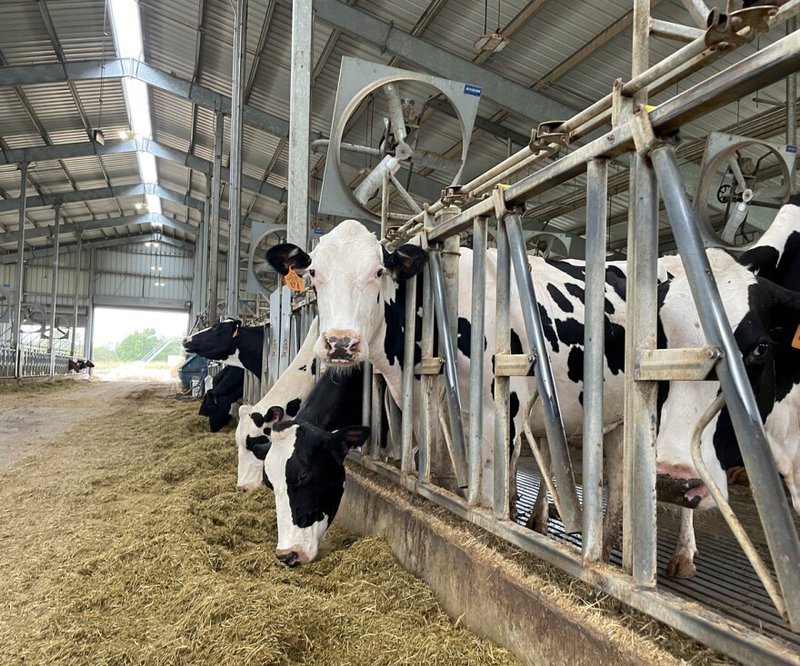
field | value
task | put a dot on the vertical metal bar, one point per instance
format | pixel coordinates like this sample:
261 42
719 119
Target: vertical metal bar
54 291
476 361
427 382
553 423
594 362
275 335
698 10
299 123
264 385
377 412
286 323
407 418
784 545
639 501
77 294
366 397
15 331
204 235
197 285
791 107
88 337
213 259
452 393
502 423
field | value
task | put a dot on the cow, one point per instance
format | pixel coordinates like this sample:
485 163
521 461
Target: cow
230 342
283 399
361 305
304 462
774 371
76 365
227 387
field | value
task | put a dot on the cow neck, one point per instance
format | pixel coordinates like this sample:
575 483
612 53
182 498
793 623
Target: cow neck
250 348
387 358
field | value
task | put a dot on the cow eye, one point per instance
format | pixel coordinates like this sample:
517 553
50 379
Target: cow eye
379 273
312 272
760 350
302 478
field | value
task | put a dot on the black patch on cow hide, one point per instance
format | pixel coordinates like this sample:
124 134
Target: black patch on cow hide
513 410
570 331
464 335
559 299
547 327
516 343
617 280
292 407
575 365
314 365
572 270
302 368
615 346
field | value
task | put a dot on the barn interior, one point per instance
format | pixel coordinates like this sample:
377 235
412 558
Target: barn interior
151 152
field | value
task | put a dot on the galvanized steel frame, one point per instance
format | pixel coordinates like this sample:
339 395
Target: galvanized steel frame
636 584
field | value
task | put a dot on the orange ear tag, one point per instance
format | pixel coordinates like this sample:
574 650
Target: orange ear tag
796 339
294 281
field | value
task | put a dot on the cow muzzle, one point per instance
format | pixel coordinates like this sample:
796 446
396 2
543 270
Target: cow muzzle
341 347
291 557
677 484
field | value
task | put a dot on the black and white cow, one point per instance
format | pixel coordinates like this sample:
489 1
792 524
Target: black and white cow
227 387
765 320
304 462
283 399
230 342
361 305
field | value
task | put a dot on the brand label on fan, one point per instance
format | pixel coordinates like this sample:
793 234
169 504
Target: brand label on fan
294 281
796 340
472 90
791 149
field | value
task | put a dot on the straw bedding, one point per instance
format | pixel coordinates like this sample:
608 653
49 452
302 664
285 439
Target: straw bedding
124 541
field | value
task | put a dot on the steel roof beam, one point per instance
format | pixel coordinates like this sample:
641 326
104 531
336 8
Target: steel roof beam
385 36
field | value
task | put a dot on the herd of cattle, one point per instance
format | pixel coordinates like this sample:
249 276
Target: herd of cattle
296 438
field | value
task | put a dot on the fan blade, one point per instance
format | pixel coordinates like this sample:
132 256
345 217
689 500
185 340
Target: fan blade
734 222
372 181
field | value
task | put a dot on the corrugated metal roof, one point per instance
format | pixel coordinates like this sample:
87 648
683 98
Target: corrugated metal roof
192 40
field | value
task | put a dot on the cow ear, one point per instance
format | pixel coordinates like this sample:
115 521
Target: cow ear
405 262
274 414
287 256
260 450
784 326
347 438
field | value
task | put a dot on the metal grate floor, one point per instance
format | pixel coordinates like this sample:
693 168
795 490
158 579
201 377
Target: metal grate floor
725 581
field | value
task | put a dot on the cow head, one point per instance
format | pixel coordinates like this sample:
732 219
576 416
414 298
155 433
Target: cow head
305 467
253 439
217 342
764 318
354 276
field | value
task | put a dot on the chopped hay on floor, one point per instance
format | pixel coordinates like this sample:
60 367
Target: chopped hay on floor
126 542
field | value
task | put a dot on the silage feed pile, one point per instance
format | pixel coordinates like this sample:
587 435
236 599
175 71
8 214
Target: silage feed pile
126 542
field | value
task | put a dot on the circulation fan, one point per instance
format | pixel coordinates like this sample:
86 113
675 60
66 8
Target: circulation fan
390 125
5 303
743 182
261 277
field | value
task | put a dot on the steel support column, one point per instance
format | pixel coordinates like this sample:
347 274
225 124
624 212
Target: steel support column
300 123
594 362
476 433
15 337
213 258
545 381
639 497
791 108
765 481
77 294
407 416
88 336
54 292
502 419
237 126
204 234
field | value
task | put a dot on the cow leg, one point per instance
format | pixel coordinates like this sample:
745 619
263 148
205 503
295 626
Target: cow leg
612 524
541 511
682 563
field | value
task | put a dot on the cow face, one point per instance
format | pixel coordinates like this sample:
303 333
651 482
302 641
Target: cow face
305 467
764 318
217 342
253 440
353 276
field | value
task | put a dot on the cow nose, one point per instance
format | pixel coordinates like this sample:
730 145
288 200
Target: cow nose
290 559
342 346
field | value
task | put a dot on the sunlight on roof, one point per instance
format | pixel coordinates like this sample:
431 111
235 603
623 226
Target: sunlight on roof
127 28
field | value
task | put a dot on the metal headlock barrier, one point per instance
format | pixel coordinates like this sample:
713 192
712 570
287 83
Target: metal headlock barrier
648 138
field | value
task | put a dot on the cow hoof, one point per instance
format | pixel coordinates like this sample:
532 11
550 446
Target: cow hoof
681 566
537 524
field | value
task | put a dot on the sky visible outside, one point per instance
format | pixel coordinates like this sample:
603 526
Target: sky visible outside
112 325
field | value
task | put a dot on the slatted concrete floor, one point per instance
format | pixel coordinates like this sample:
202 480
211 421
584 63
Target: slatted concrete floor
725 581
